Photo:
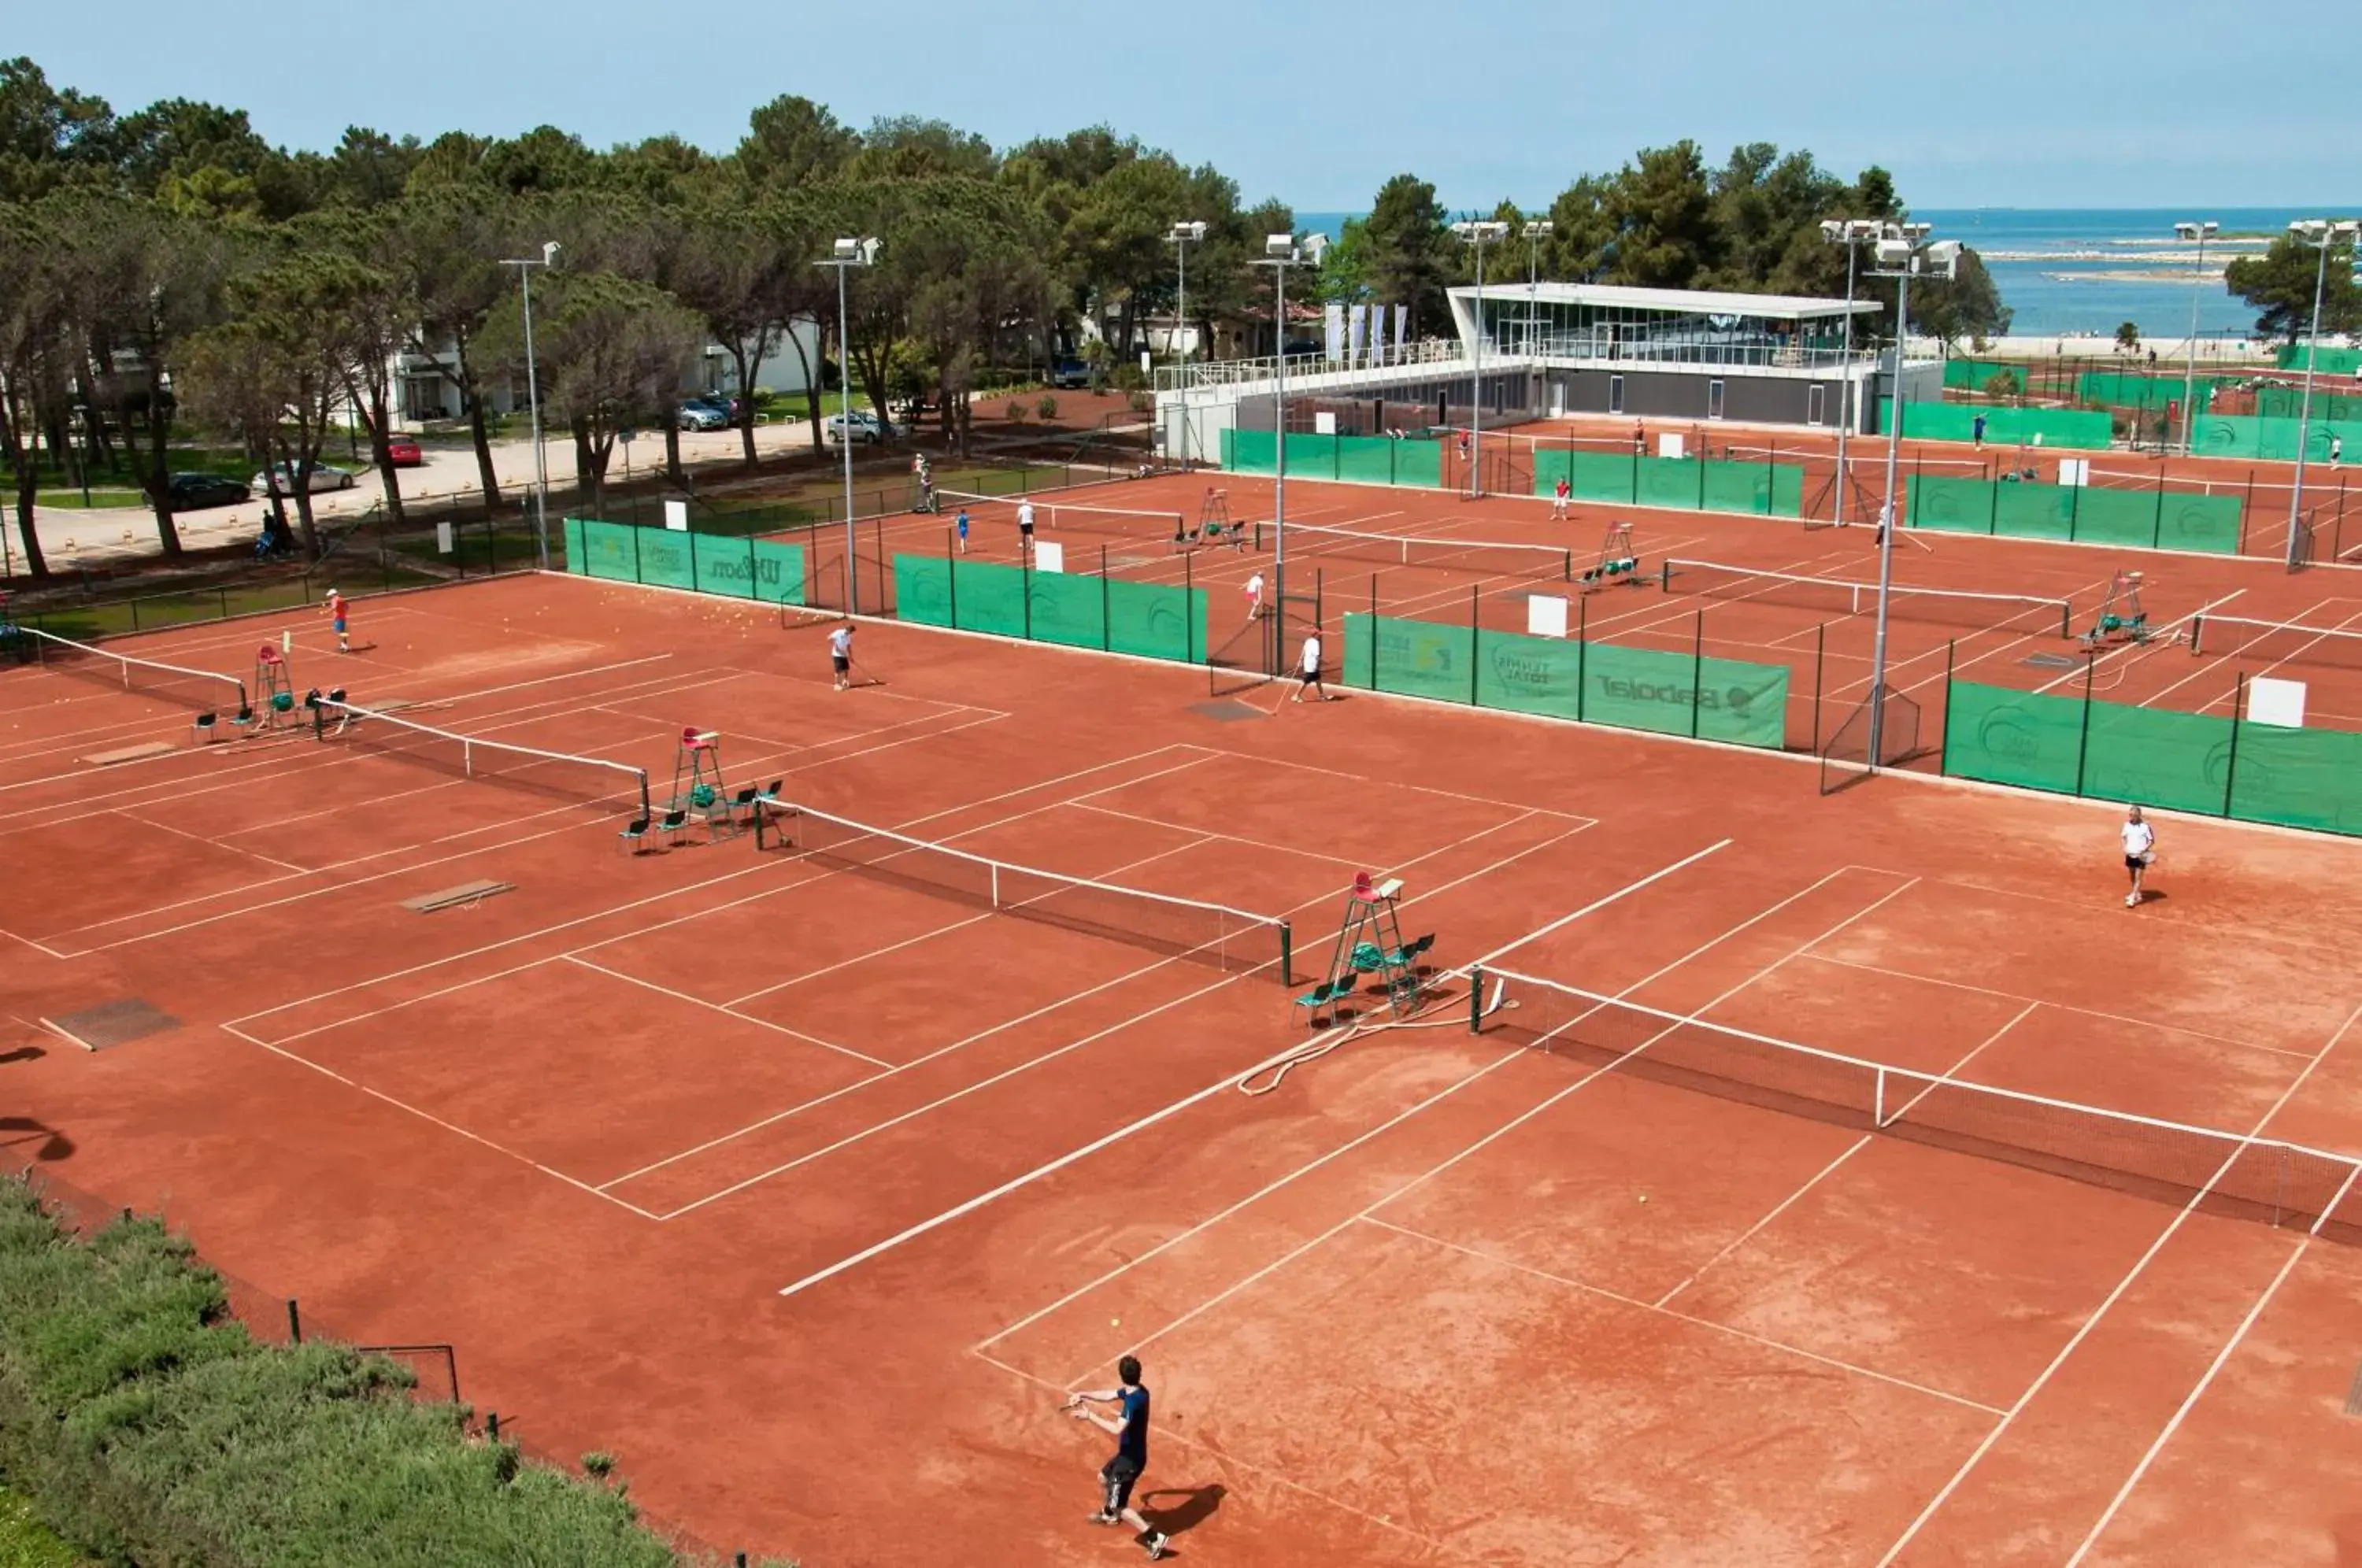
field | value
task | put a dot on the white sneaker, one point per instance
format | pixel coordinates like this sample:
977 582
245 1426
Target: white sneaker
2132 900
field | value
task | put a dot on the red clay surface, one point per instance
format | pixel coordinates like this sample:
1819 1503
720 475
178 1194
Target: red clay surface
1441 1298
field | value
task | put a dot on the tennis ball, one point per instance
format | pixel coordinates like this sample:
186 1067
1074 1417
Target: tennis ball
1644 1197
1115 1322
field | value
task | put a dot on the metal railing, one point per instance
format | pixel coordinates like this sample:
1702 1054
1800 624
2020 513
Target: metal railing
1233 372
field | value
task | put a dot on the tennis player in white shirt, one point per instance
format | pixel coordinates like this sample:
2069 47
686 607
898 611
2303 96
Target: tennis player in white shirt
2140 849
1308 670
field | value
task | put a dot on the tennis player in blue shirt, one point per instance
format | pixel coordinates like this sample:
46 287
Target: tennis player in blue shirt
1128 1427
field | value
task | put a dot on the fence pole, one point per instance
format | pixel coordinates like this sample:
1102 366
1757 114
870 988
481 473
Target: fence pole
2083 740
2230 765
2337 526
1373 631
1474 592
1820 647
1697 670
1188 602
951 576
2246 510
1944 736
1025 582
1582 652
2156 528
635 544
1106 638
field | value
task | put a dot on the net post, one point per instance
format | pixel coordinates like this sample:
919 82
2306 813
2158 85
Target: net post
1878 1099
1286 954
294 1323
1697 670
1666 575
2083 738
2197 632
995 870
468 758
1476 998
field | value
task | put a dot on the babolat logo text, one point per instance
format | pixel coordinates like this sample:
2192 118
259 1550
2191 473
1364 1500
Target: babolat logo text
1726 700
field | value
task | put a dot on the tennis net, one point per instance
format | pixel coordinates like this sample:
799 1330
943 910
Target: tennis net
198 689
1945 606
1484 555
1130 523
2248 1177
1230 940
2275 642
593 781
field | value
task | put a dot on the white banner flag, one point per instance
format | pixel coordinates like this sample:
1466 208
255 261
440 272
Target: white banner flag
1357 324
1402 325
1333 330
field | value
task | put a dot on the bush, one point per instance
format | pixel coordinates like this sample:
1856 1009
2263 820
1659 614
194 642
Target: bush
1048 407
148 1428
1143 402
1016 410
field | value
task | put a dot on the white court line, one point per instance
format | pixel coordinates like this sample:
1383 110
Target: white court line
2115 1503
2123 649
1546 1103
1572 915
630 905
1857 1145
2216 665
1364 779
1661 1309
2149 1023
2140 1266
726 1012
479 849
927 935
429 1116
201 838
1225 1458
1059 1051
1314 1165
957 1211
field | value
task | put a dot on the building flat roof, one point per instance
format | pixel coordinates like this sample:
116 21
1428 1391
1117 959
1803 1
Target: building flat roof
1681 302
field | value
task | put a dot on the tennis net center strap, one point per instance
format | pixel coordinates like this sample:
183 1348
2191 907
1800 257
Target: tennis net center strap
1233 939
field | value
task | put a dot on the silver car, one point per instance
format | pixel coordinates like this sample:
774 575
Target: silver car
279 478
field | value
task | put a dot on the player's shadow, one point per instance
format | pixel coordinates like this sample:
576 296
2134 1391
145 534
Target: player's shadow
23 1053
49 1143
1175 1509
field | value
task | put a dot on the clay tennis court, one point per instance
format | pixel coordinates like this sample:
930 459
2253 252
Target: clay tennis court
809 1190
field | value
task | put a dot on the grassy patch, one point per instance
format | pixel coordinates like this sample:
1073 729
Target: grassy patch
26 1542
99 497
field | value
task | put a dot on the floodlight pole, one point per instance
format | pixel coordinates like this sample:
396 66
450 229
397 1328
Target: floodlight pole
1280 253
1181 235
2325 236
1845 387
1915 237
1477 232
2197 231
849 253
525 266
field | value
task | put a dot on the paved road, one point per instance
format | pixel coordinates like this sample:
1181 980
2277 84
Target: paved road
71 535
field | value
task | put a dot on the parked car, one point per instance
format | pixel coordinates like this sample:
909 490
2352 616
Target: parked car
191 491
279 478
867 426
702 416
402 452
1069 374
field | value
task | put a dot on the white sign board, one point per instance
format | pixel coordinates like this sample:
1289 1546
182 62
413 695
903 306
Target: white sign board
2075 470
1545 616
1324 424
1669 445
2271 701
676 517
443 540
1049 555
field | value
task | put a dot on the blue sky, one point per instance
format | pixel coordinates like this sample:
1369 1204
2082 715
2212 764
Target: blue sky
2072 103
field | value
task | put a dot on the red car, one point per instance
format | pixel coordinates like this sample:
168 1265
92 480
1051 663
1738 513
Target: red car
402 452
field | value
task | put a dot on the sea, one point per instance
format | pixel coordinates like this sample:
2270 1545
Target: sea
2085 270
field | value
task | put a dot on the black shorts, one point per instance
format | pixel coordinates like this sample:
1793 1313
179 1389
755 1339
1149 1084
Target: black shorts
1117 1478
2136 862
1026 529
842 662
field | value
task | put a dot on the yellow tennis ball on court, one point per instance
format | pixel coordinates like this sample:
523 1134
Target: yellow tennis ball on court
1115 1322
1644 1197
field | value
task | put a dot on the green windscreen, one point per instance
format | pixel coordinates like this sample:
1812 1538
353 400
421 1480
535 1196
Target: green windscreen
2148 757
1068 610
2301 778
2012 737
1072 609
780 573
987 597
1155 621
1640 688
